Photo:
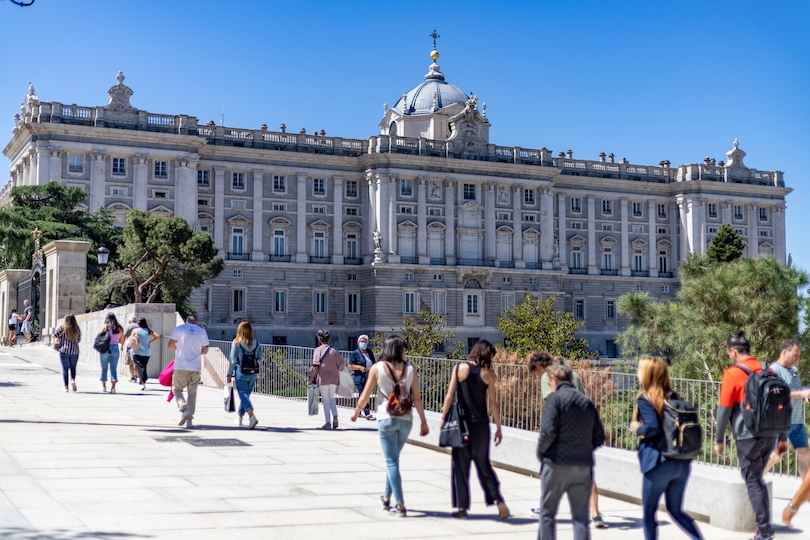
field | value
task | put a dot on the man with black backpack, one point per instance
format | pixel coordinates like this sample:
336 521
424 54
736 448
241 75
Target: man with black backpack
189 342
757 402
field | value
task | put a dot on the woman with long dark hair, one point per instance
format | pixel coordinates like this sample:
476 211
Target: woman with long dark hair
141 355
662 476
109 359
393 420
475 381
70 334
243 344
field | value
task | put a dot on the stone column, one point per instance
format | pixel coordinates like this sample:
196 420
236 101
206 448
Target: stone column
517 225
140 182
66 265
652 249
489 224
592 269
98 181
700 226
337 221
382 211
562 231
753 232
56 166
370 219
779 239
726 211
450 224
32 169
393 256
185 192
219 211
547 228
421 222
625 244
257 250
301 220
43 166
674 239
26 171
683 209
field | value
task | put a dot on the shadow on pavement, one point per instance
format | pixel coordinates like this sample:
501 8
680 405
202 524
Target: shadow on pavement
62 534
9 384
415 513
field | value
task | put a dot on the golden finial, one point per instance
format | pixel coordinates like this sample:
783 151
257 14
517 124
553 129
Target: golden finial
434 55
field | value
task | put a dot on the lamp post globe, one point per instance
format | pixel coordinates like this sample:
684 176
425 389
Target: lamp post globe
103 255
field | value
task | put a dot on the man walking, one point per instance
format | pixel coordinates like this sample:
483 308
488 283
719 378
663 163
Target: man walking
28 321
785 367
752 452
570 431
189 342
132 324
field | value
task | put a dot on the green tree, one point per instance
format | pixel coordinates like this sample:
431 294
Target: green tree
423 333
759 296
534 325
726 246
160 260
56 211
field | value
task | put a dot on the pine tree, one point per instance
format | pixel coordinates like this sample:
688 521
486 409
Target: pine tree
726 246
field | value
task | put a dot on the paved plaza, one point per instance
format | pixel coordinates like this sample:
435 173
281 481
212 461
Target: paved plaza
93 465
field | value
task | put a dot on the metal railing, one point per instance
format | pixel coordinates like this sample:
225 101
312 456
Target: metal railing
518 394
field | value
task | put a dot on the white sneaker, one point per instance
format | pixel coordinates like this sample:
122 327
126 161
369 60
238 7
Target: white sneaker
143 387
240 421
189 425
103 389
253 422
185 416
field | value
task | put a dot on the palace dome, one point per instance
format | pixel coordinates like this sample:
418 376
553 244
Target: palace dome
420 100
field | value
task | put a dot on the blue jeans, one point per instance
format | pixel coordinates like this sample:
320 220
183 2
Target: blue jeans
244 386
109 360
798 436
393 434
669 479
69 362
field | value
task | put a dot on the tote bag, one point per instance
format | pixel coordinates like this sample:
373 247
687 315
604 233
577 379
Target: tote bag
454 432
346 387
230 401
313 398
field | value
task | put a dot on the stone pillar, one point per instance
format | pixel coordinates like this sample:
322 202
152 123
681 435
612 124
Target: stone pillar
562 231
700 226
26 171
31 162
517 225
652 233
66 267
337 221
753 232
257 250
382 211
56 166
393 255
185 191
301 220
8 294
98 181
625 244
489 224
683 208
219 211
43 166
450 224
675 251
140 182
547 228
779 238
421 222
592 269
726 211
370 219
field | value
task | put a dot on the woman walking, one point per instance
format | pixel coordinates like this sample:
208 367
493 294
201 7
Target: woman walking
13 319
661 475
329 362
109 359
475 381
70 335
140 356
360 363
390 371
244 344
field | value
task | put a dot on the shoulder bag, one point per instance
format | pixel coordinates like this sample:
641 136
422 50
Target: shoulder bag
455 433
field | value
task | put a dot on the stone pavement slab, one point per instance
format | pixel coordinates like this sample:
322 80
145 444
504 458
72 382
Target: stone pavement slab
91 465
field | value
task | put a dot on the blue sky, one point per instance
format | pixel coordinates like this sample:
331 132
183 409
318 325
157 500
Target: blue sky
645 80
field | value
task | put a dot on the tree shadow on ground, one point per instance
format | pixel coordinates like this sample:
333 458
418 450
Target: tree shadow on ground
19 533
624 523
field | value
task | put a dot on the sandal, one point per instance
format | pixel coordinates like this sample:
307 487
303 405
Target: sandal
503 511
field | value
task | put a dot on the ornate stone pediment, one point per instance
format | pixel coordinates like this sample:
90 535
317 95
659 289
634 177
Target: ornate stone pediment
119 96
470 130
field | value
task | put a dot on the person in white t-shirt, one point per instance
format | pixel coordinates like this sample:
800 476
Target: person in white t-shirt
189 342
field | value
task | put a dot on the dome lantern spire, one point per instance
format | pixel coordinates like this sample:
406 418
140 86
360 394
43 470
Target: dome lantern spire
434 70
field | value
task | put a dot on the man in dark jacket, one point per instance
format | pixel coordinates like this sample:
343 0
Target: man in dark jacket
360 363
570 431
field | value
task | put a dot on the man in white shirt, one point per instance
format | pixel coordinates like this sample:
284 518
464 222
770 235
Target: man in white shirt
189 342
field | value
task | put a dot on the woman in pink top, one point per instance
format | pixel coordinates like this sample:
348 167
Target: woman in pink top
109 359
330 362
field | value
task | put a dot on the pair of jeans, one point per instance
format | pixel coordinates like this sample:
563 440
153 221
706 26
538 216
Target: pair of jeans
753 456
576 481
140 364
185 379
394 432
244 386
329 402
668 478
477 450
109 360
69 362
360 387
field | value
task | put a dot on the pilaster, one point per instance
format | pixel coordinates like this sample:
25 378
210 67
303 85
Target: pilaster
43 156
517 225
55 166
301 220
393 256
779 238
140 182
625 246
489 224
421 222
753 232
219 211
592 269
449 223
337 220
562 232
370 219
98 181
257 249
652 232
546 228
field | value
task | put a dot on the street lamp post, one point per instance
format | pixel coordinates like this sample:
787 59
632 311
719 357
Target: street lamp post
103 256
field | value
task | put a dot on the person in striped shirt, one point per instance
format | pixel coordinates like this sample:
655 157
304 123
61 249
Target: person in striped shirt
70 335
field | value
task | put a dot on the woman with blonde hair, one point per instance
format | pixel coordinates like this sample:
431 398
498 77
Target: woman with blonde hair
244 354
70 334
662 476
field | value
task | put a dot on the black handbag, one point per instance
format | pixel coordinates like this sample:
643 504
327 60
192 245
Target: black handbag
454 432
102 342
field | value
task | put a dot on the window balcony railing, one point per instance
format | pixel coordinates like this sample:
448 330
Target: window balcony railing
506 264
607 272
409 260
320 260
577 270
665 274
640 273
280 258
352 261
532 266
471 262
238 256
438 261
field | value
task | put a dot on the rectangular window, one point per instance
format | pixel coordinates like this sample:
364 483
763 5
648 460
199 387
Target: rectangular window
202 202
238 180
508 302
610 310
202 179
318 209
607 259
406 209
405 188
579 309
575 207
503 216
439 302
576 225
351 189
606 227
741 232
738 214
279 242
280 301
119 192
764 233
161 169
238 300
352 303
76 163
663 261
351 277
319 186
534 281
437 277
351 246
638 261
319 244
607 207
469 192
665 289
638 229
119 166
507 280
712 210
662 211
408 276
472 304
663 230
238 241
238 274
640 288
279 207
320 302
160 194
636 209
576 257
529 217
763 214
351 211
238 204
712 230
410 302
528 197
279 184
434 211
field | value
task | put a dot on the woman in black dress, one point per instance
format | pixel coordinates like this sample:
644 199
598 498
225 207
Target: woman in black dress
475 381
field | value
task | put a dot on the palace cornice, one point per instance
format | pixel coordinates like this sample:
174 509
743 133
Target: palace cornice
442 166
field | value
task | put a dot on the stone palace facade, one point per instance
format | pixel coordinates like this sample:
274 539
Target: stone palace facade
354 235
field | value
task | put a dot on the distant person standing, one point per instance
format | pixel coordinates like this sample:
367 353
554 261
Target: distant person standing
786 368
244 361
70 334
28 321
132 324
145 338
189 342
109 359
360 363
13 320
329 362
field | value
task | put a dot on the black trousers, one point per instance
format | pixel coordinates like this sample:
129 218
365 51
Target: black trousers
140 364
753 455
477 450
